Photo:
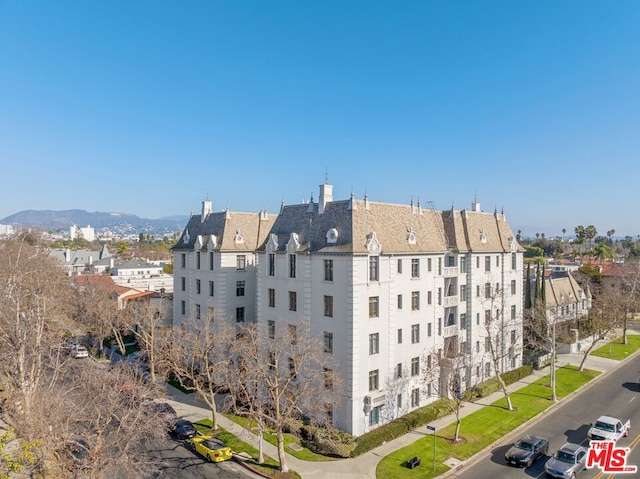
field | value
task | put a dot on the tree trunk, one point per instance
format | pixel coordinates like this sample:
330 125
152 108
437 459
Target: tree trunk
281 455
505 391
456 435
260 448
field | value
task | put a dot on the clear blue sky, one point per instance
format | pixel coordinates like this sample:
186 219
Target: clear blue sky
147 107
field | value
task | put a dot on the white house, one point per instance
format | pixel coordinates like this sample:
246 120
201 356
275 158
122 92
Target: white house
385 285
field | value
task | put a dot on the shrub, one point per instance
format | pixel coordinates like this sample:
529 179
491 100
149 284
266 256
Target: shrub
491 385
327 441
400 426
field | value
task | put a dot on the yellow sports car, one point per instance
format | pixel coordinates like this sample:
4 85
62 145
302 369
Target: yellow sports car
210 447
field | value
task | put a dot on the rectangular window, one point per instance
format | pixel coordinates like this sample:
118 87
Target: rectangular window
451 260
374 307
399 401
197 286
429 297
513 337
328 342
272 264
498 261
477 319
197 311
328 306
487 344
240 315
374 415
439 265
513 260
415 267
183 283
463 321
429 262
183 308
398 370
463 292
415 366
293 300
399 266
272 329
399 301
292 266
328 270
439 296
374 343
487 317
241 262
477 291
210 288
415 333
211 313
513 311
399 335
487 263
211 260
477 261
293 334
513 286
477 346
439 326
415 300
293 370
328 380
429 329
487 290
463 264
198 260
373 267
183 260
272 298
415 397
373 380
240 288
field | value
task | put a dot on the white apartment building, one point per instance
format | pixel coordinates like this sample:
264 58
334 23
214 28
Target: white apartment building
214 265
384 285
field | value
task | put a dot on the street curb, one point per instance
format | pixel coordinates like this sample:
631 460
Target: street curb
480 454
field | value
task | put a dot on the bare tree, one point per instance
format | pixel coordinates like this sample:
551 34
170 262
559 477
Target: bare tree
283 375
198 357
451 377
99 311
33 289
146 322
503 331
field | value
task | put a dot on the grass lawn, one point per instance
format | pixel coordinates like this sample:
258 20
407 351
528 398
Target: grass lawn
481 428
269 467
298 451
616 350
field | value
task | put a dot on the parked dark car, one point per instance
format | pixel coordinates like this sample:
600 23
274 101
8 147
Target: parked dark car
527 450
184 429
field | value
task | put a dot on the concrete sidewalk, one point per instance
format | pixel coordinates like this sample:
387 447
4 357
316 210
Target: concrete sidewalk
364 466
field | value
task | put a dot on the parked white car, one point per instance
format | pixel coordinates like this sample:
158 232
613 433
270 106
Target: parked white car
79 352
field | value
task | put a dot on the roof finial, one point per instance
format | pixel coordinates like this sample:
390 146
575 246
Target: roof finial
326 175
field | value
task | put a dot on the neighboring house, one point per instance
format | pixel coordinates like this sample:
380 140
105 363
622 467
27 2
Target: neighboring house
6 230
565 299
383 284
140 274
81 261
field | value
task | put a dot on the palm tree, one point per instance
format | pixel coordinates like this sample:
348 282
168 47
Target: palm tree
610 233
564 230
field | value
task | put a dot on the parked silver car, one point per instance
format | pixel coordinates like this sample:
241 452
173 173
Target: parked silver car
567 462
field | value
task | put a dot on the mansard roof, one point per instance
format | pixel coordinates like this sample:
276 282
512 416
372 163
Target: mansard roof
393 224
563 290
225 226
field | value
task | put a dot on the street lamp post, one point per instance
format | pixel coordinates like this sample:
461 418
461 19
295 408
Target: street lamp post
433 429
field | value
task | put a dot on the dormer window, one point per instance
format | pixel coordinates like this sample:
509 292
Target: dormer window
332 236
411 237
239 238
372 244
483 237
186 237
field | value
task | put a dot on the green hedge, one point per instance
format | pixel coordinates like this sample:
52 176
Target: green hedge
491 385
401 426
327 441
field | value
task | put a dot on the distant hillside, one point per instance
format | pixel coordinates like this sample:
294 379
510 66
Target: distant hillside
49 220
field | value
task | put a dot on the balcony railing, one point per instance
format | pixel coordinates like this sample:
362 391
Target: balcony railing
450 301
450 271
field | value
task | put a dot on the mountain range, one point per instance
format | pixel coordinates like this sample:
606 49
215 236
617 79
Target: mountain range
49 220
